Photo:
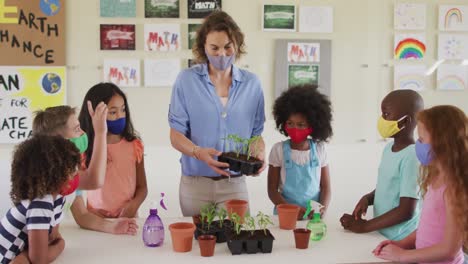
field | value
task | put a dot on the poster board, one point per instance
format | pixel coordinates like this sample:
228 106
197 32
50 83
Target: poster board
24 90
293 54
32 33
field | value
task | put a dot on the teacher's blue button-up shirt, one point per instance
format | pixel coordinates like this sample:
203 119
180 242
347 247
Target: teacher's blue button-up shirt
197 112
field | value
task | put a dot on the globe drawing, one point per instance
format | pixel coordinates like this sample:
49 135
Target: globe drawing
51 83
50 7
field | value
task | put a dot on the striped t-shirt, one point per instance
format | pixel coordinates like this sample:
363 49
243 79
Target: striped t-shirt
39 214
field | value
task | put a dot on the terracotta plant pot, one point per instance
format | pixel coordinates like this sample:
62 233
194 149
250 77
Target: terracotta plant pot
207 245
302 237
182 236
237 206
287 215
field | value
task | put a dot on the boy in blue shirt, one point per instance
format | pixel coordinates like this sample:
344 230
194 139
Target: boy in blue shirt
396 196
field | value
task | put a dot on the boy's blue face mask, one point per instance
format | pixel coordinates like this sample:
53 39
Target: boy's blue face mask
117 126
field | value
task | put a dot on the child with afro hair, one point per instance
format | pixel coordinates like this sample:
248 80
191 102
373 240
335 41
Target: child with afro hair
298 167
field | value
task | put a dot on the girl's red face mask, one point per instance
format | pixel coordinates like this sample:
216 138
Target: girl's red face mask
70 186
298 135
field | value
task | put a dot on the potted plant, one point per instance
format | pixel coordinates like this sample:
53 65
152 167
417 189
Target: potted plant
266 240
241 158
208 226
246 238
251 243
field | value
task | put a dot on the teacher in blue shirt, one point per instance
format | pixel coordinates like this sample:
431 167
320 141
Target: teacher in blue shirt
209 101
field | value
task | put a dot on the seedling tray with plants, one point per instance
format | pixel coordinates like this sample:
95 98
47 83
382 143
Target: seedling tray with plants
242 159
247 239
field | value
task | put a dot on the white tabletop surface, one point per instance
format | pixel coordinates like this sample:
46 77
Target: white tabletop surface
338 246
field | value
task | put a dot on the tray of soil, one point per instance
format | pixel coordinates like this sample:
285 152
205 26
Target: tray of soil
241 163
250 242
215 229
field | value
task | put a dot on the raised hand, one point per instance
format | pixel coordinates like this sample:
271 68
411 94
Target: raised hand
98 117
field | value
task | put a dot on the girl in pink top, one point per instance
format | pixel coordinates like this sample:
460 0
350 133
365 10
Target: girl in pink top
442 149
124 188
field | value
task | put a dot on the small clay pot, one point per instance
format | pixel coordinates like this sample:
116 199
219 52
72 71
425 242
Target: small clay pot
287 215
207 245
302 237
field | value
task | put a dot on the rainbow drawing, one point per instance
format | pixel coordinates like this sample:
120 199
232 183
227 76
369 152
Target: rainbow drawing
410 48
451 82
453 14
410 81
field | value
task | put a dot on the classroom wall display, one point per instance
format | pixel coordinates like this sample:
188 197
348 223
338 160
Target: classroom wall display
162 37
300 74
122 72
453 18
202 8
453 47
412 77
451 77
117 37
316 19
24 90
117 8
410 16
297 69
162 8
303 52
161 72
410 46
32 33
279 18
192 33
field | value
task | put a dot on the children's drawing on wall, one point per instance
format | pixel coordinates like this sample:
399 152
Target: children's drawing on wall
162 8
24 90
161 72
453 18
192 33
162 37
299 74
303 52
125 73
411 77
117 37
118 8
317 19
453 47
409 46
451 77
279 18
410 16
202 8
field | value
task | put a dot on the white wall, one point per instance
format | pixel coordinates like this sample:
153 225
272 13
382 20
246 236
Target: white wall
363 35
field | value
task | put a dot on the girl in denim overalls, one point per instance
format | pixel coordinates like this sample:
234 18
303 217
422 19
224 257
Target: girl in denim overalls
298 170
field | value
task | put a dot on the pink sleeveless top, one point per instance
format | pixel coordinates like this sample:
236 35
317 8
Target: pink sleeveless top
432 222
120 182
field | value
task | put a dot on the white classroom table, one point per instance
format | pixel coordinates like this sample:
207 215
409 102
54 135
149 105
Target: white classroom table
338 246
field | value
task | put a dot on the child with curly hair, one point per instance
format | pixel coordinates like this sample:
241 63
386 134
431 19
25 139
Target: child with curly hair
298 170
41 167
442 149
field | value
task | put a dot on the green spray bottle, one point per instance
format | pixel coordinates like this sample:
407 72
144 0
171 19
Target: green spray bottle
318 229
